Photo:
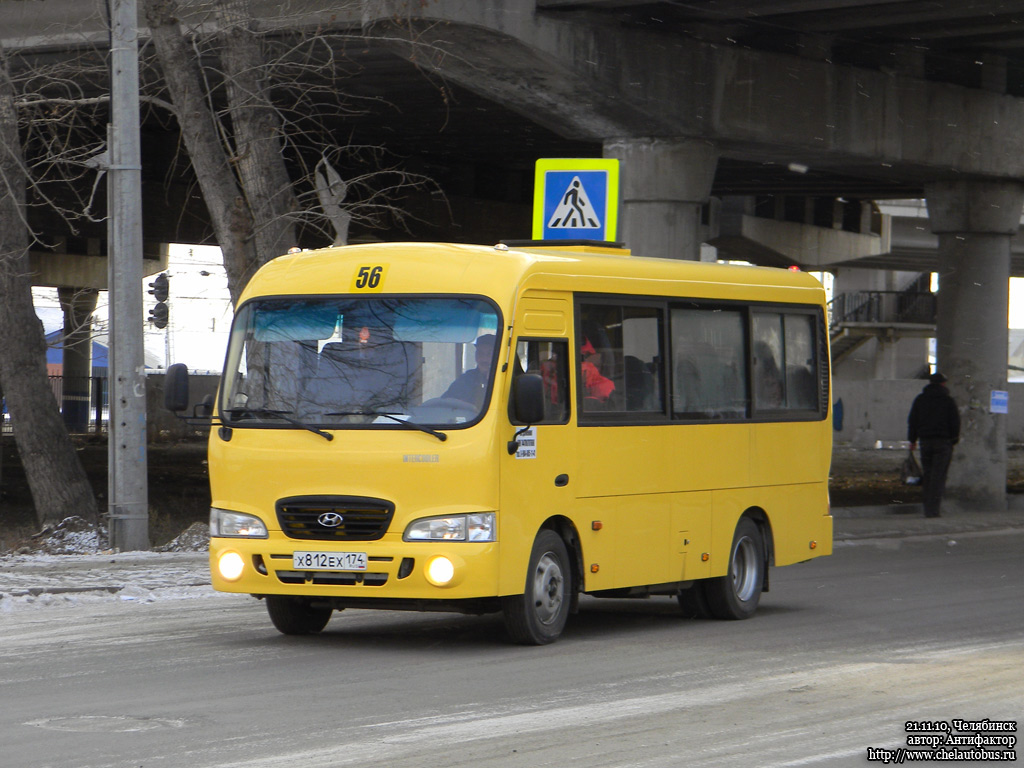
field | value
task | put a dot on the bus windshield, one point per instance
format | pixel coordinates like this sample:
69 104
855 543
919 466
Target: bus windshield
360 362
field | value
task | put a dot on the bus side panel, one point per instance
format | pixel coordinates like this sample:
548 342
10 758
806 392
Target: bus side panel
783 453
662 458
800 522
691 532
649 487
790 464
644 539
798 515
642 548
625 477
598 529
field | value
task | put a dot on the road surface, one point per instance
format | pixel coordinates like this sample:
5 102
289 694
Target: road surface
844 652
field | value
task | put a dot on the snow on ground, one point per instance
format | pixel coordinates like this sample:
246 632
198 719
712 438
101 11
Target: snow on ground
69 565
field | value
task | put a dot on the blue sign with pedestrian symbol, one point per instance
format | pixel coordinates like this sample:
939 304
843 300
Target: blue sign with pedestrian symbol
576 199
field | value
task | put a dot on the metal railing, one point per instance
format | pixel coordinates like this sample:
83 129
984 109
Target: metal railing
909 306
82 402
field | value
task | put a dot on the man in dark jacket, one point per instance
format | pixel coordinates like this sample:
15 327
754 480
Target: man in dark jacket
935 421
471 386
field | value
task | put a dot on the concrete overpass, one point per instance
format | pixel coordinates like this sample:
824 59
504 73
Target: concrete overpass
748 125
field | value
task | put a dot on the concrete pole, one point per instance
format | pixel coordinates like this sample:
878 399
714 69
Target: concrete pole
126 481
76 372
663 185
975 221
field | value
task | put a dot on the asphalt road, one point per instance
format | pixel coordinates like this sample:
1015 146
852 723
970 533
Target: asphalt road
842 654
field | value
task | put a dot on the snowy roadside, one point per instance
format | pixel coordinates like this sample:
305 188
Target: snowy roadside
68 566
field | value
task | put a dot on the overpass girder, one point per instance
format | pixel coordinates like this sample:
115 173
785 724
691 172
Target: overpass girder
586 77
783 243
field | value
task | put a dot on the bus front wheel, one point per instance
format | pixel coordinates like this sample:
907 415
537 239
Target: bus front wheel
538 616
736 595
295 615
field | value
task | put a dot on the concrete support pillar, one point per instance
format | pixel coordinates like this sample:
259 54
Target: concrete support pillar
78 305
975 221
663 185
886 359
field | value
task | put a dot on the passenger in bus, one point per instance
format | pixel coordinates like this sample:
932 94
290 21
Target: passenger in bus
596 387
767 377
471 386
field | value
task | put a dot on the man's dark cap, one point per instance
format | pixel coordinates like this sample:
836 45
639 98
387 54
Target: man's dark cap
937 378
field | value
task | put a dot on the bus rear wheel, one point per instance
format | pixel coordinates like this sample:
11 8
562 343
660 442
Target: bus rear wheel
295 615
538 616
736 595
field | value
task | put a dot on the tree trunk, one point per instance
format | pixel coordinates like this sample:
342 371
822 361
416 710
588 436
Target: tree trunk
257 130
229 213
247 192
55 476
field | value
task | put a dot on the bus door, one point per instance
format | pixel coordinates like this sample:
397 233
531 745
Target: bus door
538 472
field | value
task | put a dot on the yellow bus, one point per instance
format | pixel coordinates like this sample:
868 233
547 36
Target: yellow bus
481 429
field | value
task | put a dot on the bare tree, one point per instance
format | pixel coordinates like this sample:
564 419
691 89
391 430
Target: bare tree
58 483
254 115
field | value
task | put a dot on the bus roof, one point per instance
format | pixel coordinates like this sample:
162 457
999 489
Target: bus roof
501 270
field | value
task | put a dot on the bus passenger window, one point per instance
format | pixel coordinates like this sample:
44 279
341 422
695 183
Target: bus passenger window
785 369
620 354
709 369
550 359
801 376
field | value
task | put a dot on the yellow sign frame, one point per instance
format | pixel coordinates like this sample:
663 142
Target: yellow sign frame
553 177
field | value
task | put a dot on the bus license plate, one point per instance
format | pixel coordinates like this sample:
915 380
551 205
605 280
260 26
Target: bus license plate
329 561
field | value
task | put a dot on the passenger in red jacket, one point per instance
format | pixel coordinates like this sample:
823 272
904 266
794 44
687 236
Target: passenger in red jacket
597 388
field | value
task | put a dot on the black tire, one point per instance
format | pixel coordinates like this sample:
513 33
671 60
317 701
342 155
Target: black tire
295 616
736 595
693 602
538 616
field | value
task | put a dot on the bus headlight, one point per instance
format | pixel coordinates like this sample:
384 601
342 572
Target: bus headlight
481 526
236 525
440 571
230 565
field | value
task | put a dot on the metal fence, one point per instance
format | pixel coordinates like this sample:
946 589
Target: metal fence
82 401
883 307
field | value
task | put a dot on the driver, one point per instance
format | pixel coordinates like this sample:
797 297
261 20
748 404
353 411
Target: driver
471 386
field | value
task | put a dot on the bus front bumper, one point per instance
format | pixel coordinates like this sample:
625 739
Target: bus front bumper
416 571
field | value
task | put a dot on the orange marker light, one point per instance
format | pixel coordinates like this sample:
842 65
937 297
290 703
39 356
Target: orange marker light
705 557
596 525
594 567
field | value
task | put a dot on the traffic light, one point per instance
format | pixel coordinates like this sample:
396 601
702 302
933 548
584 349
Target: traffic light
158 315
160 288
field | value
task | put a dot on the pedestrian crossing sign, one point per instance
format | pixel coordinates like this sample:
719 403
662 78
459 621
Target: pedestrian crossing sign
576 199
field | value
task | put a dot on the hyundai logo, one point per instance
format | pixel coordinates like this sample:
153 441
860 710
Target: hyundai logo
330 519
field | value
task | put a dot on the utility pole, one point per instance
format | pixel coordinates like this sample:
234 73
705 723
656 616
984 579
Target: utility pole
128 504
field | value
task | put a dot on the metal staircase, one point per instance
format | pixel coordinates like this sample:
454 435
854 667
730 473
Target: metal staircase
857 316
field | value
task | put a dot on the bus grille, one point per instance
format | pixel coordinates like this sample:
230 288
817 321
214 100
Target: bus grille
333 579
334 518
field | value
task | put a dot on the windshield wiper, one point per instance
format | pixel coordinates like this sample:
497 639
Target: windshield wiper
439 435
280 414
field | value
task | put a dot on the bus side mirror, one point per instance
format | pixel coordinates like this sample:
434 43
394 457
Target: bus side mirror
176 388
528 398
